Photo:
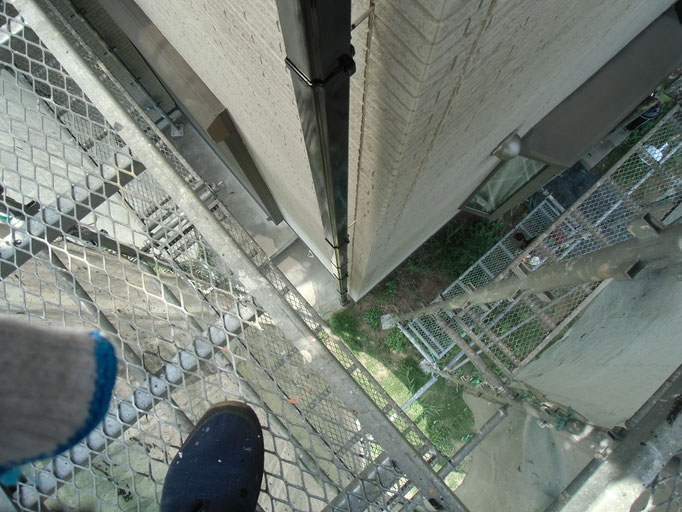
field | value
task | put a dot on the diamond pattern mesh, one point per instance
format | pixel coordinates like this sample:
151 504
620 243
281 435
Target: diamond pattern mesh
89 238
511 332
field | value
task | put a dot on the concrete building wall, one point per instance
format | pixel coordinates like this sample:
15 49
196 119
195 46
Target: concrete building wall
444 82
236 48
617 353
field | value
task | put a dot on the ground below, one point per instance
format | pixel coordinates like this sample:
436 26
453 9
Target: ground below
520 465
441 412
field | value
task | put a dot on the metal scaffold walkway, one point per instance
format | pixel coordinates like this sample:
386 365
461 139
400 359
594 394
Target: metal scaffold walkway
106 226
506 334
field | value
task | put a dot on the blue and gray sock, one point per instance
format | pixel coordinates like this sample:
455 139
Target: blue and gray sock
55 387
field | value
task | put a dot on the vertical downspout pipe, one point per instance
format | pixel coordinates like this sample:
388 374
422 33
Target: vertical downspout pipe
320 58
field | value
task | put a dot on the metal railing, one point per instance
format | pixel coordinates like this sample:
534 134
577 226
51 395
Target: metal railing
510 333
106 226
489 266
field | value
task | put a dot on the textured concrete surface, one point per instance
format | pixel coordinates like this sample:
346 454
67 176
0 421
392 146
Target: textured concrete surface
272 238
310 278
519 466
444 82
619 351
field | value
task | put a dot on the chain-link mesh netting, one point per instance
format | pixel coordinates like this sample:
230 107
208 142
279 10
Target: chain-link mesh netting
91 239
510 333
496 260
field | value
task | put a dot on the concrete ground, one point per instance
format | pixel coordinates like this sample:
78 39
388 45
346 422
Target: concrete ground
279 242
618 352
271 237
310 277
519 466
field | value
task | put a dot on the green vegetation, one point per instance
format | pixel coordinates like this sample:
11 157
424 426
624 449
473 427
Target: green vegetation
396 341
441 412
447 419
346 325
387 290
394 362
415 378
373 318
438 262
456 247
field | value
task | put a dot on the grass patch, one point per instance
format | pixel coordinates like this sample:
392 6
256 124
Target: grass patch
390 358
346 325
396 341
373 318
441 413
443 416
384 371
413 376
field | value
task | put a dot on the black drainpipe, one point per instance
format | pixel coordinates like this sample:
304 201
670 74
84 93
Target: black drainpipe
320 58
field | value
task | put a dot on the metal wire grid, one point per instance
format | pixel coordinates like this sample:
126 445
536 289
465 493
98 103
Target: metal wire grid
487 268
665 492
510 333
93 241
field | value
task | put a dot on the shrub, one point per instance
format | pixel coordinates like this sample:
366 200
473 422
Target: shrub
373 318
458 246
396 340
440 436
414 377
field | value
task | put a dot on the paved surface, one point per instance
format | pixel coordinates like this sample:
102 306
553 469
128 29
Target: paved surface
310 278
519 466
272 238
619 351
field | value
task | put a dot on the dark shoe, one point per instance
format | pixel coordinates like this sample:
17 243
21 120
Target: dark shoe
220 465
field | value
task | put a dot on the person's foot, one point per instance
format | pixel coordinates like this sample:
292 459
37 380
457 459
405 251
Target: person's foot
220 465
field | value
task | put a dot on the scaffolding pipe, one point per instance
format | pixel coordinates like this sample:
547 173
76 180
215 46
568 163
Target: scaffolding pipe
653 246
489 375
